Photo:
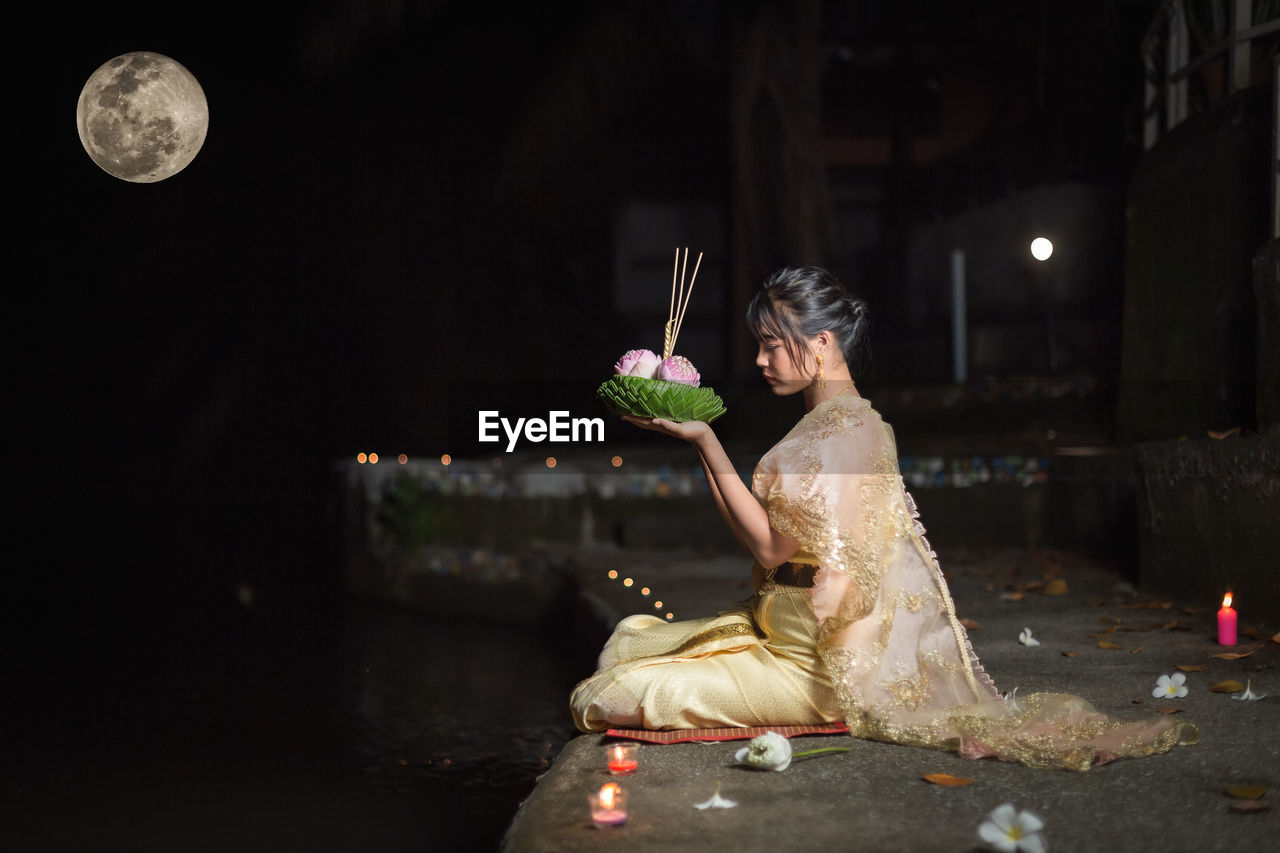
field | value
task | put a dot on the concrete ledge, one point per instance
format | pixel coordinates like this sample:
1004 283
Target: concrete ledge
874 797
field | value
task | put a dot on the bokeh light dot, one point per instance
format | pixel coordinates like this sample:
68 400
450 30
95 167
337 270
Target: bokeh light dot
628 582
446 459
617 461
613 574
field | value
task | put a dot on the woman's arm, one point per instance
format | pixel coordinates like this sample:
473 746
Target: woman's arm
742 512
720 504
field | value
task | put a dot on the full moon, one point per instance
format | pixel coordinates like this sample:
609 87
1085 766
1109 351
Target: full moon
142 117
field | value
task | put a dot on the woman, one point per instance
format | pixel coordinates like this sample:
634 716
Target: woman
851 618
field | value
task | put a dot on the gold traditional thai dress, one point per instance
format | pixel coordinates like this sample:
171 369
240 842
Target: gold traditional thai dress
873 641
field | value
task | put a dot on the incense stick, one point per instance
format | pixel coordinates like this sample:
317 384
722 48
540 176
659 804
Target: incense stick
685 307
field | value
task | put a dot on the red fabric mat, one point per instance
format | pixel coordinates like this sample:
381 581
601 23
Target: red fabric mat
683 735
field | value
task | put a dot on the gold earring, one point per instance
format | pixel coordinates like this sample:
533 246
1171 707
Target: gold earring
822 379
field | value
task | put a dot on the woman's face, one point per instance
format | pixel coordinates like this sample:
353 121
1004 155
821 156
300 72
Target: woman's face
784 376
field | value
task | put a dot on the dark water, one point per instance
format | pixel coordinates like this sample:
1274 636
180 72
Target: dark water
339 725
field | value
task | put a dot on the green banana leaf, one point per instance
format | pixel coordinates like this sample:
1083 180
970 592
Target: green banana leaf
658 398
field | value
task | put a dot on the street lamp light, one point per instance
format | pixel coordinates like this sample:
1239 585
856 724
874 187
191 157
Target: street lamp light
1042 250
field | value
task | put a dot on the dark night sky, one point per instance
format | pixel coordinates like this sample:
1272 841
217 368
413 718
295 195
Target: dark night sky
361 238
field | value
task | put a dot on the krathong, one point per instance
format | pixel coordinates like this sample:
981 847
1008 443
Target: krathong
647 385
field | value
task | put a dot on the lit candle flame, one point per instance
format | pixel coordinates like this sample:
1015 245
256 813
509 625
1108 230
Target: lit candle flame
1226 600
606 795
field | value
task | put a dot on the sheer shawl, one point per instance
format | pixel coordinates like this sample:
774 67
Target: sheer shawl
902 665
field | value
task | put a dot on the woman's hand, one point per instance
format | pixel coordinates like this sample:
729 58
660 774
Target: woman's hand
690 431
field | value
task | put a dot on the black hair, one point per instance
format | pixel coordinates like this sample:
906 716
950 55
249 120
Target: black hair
796 303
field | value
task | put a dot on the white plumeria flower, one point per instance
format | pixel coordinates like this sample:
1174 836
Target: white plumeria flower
1011 699
1170 686
1026 639
716 801
1012 831
1249 694
770 751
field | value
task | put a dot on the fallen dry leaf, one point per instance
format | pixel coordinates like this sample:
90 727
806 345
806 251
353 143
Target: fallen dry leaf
1011 596
1108 620
1069 654
1135 650
1057 586
1103 644
1231 655
1137 701
970 624
1192 667
1227 687
1252 633
1223 433
1246 806
1247 792
1095 602
947 779
1275 638
1169 709
1107 632
1193 611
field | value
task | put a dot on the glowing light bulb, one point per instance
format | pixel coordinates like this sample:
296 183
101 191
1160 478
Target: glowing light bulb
1041 248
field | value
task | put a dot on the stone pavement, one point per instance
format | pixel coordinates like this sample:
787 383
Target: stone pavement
873 798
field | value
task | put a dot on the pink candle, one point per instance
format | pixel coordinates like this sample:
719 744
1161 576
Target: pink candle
609 807
622 759
1226 623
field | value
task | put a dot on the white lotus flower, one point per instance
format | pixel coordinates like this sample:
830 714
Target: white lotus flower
1249 694
1012 831
769 751
716 801
1026 639
1170 686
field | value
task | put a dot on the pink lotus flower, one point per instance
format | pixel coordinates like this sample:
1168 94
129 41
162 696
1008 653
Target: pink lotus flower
677 368
638 362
